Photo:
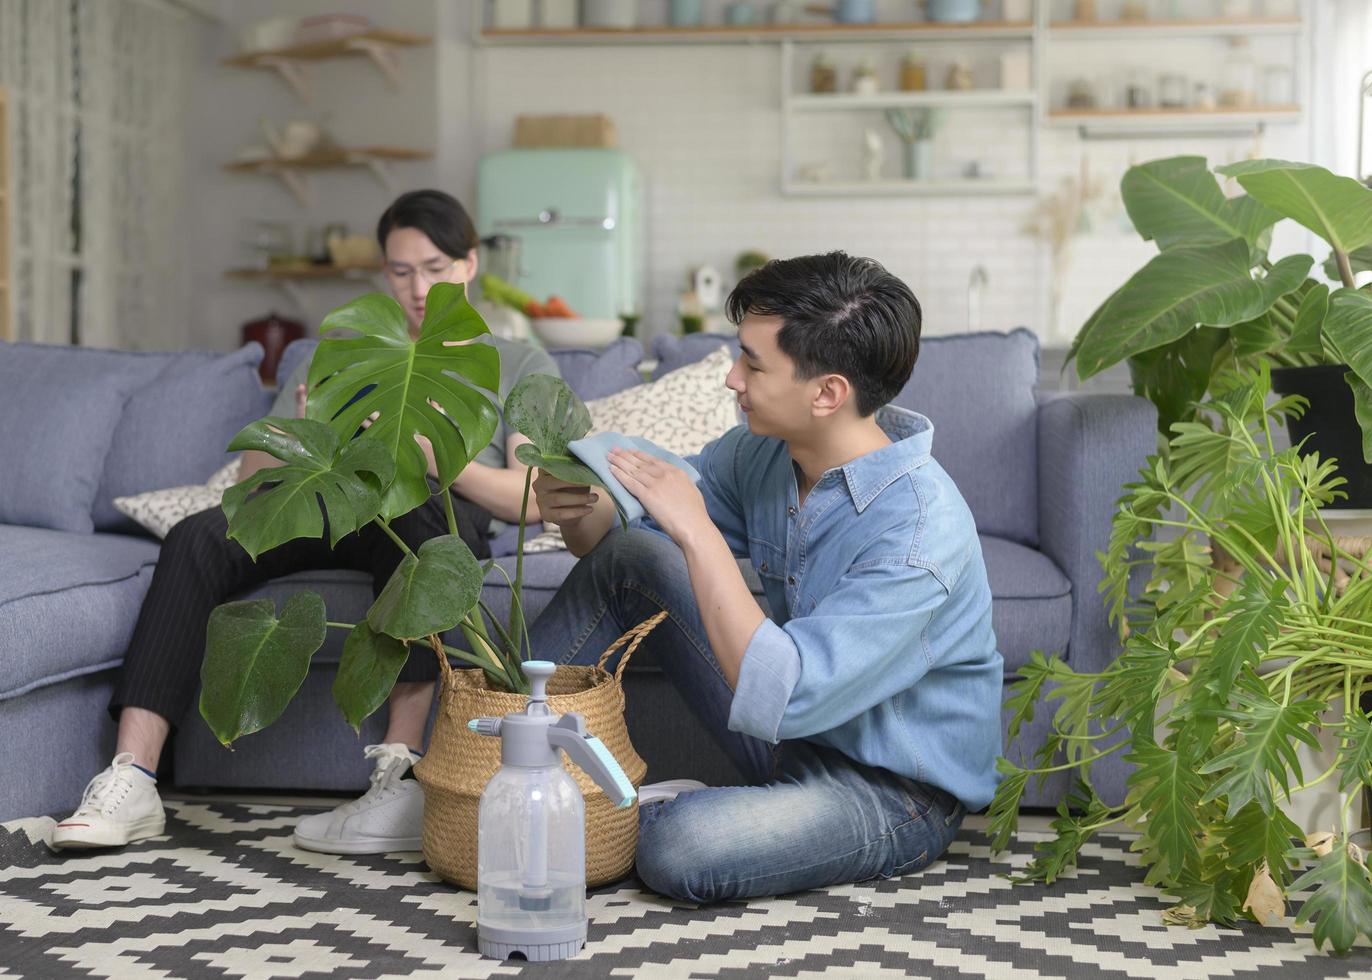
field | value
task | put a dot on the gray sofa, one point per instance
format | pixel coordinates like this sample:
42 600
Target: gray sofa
1041 474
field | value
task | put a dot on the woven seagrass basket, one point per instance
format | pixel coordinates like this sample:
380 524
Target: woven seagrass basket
459 763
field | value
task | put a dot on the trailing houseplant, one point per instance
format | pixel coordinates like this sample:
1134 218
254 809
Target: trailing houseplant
353 460
1252 635
1212 300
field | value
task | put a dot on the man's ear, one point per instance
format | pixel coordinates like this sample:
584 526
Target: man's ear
833 393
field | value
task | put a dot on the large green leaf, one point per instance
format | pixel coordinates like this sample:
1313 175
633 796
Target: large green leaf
1003 815
367 672
1175 376
1307 333
1355 754
1341 906
348 478
1256 336
431 591
1178 201
1253 837
254 662
1339 209
1257 610
1264 751
384 371
1168 789
1180 289
1360 260
548 412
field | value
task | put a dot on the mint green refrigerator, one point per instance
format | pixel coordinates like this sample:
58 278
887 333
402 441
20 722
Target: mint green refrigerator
578 217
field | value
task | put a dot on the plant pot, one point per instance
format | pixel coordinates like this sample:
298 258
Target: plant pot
919 155
459 763
1330 424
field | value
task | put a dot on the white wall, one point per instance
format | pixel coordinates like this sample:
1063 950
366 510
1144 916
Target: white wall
352 100
703 122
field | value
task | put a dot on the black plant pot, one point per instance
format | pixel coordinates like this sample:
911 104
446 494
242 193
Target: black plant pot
1331 425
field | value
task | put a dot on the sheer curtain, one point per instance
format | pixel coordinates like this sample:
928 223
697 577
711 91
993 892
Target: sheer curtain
98 92
1341 54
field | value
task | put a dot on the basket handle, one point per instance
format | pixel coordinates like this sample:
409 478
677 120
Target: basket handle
633 637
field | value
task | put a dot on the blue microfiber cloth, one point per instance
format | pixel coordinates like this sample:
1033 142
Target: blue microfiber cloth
595 450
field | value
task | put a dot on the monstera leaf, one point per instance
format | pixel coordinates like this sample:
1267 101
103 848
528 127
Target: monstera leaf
254 662
383 371
1180 289
1177 201
1338 209
367 672
546 410
430 591
348 478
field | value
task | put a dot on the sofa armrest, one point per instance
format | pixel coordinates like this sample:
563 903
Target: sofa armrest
1089 446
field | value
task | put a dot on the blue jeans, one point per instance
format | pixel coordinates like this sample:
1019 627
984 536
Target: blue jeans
810 816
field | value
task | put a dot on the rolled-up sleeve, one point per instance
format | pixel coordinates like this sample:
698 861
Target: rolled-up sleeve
862 645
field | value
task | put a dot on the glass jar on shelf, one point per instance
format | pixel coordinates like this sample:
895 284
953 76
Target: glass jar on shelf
1278 86
1138 89
1080 94
1238 87
823 74
865 81
913 74
1171 91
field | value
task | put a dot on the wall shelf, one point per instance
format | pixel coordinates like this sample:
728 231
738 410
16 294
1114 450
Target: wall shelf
970 187
1125 123
765 33
293 171
381 47
1095 30
292 279
976 98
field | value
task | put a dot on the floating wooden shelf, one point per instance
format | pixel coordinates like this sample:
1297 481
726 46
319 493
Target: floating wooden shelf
292 171
910 188
381 47
1100 30
304 273
716 34
986 98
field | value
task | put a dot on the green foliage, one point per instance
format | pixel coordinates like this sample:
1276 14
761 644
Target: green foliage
254 662
416 387
356 460
347 478
1212 302
1240 641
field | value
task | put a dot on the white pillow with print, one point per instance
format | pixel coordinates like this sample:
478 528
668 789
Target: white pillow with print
680 411
161 510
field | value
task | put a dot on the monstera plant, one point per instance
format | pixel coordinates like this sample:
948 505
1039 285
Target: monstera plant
355 460
1213 300
1252 637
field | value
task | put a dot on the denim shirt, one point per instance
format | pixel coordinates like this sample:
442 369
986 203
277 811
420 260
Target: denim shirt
879 643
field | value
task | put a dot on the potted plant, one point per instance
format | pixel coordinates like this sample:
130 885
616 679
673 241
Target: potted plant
1213 300
1251 637
354 460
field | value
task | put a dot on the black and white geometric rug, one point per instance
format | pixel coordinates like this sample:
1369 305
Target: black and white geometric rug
224 894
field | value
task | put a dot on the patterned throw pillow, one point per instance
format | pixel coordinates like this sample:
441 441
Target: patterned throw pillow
161 510
681 411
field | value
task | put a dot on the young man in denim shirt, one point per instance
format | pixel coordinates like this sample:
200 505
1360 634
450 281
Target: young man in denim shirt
864 711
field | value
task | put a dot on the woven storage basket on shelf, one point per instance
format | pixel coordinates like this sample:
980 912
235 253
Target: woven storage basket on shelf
459 763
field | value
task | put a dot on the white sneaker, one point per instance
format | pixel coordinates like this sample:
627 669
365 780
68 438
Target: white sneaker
388 817
668 790
119 806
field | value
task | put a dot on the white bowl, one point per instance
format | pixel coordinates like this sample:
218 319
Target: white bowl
580 331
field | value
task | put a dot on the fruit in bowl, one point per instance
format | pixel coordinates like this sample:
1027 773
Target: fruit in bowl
582 331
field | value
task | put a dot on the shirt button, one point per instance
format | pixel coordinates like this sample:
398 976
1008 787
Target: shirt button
791 511
763 566
790 580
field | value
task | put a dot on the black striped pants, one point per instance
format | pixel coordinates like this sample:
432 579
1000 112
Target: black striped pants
199 568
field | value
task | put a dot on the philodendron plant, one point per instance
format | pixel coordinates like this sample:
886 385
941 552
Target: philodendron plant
1252 637
1212 300
354 460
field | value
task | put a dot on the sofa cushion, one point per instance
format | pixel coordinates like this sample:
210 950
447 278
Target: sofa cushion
978 390
60 406
174 428
597 373
68 603
674 352
1031 601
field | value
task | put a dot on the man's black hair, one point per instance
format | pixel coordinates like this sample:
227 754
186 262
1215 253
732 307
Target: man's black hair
437 215
841 314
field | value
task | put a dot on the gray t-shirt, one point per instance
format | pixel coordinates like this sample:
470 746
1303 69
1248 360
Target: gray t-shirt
517 359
